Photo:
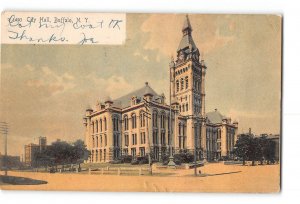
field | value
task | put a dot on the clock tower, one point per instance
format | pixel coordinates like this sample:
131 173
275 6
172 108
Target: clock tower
187 76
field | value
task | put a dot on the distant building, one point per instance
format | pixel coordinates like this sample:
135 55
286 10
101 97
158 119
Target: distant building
31 149
140 122
10 162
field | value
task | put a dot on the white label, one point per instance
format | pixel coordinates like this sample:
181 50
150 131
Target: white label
63 28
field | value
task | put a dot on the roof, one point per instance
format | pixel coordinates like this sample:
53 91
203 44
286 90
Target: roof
187 23
185 42
124 101
187 39
215 117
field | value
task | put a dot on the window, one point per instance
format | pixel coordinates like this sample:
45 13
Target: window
142 119
186 82
154 116
133 119
182 84
179 108
179 129
116 140
93 142
143 138
105 124
126 122
133 152
126 152
177 86
105 140
100 140
155 137
162 120
142 151
96 123
163 138
182 107
100 124
104 154
186 107
96 141
134 139
93 130
115 124
96 156
126 140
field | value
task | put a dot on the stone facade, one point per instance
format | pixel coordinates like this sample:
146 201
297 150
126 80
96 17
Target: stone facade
139 122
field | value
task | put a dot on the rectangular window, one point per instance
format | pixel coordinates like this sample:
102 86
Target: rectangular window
142 151
134 139
163 139
133 152
143 138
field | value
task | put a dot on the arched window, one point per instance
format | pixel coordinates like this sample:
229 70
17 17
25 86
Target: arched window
142 119
177 86
105 124
115 124
126 122
182 83
162 120
154 120
100 124
96 123
186 82
93 130
133 120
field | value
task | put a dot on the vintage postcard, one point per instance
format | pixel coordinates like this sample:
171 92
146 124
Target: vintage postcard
141 102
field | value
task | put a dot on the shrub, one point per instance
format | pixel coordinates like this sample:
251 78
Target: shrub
165 159
143 160
126 159
183 157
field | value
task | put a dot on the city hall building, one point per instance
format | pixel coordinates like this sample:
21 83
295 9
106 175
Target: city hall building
142 122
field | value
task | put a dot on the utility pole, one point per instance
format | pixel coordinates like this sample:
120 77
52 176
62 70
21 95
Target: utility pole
147 115
4 131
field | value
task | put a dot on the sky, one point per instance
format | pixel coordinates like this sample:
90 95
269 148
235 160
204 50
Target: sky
45 89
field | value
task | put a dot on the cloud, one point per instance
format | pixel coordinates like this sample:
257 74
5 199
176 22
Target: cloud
113 86
207 35
49 80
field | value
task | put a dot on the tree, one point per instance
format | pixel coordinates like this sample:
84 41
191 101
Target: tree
242 146
79 152
269 151
255 149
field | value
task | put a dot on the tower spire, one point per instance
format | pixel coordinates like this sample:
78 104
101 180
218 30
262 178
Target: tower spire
187 28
